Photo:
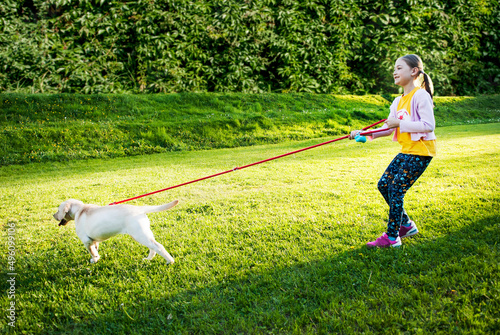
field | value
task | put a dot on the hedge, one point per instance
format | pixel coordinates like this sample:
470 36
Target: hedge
250 46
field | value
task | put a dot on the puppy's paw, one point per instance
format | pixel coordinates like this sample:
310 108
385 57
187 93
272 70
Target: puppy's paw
94 260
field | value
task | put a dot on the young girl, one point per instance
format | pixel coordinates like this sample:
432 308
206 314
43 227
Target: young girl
412 116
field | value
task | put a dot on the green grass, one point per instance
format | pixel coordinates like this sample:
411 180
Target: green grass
276 248
65 127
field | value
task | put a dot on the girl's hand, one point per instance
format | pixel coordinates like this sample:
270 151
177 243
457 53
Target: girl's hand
392 122
353 134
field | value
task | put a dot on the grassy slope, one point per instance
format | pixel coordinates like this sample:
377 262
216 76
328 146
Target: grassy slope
42 128
276 248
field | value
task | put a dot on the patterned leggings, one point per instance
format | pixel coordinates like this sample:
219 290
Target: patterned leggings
399 176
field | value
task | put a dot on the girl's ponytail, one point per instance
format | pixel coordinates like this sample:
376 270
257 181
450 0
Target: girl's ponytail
427 83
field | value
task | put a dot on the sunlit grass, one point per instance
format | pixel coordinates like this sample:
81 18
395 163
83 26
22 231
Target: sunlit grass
275 248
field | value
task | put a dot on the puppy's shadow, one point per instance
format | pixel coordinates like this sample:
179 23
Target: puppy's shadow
65 258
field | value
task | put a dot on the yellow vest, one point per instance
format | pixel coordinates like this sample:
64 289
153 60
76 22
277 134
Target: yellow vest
420 147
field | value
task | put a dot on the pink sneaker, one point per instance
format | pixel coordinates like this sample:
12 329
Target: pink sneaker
384 242
408 231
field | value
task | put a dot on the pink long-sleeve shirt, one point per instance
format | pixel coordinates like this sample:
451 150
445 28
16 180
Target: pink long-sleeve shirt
421 124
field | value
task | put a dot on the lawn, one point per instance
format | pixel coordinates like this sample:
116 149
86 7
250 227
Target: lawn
275 248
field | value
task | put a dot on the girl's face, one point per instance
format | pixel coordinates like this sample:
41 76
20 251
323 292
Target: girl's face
403 74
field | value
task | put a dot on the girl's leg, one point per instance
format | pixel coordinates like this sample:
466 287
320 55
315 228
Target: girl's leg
406 170
388 176
386 180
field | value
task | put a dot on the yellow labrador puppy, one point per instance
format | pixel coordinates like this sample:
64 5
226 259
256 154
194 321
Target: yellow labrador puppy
95 224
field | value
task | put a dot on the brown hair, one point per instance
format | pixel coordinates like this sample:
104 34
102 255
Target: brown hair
415 61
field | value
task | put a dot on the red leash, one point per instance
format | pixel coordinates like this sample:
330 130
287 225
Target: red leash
256 163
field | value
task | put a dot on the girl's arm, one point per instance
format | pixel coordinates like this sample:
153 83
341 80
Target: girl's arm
388 132
425 115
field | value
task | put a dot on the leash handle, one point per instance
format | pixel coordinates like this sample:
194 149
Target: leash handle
252 164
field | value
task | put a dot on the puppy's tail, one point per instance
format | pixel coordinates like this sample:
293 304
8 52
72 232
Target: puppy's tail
153 209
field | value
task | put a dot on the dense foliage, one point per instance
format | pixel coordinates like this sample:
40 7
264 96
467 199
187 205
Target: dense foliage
63 127
321 46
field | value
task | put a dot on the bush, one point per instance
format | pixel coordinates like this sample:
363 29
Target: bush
316 46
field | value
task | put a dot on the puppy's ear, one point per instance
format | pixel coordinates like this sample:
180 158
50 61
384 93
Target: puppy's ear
67 207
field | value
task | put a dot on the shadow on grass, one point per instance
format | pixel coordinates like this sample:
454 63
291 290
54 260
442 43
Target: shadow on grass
448 283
